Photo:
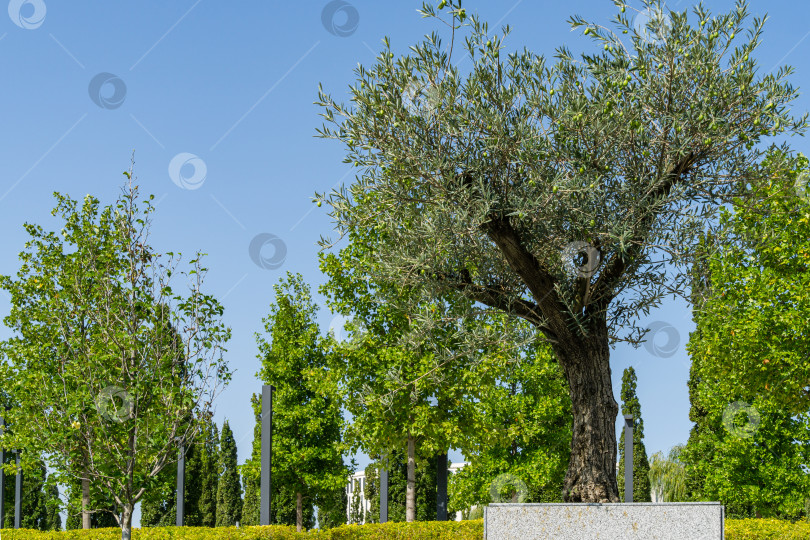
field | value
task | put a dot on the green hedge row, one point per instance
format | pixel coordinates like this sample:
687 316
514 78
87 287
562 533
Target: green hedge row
736 529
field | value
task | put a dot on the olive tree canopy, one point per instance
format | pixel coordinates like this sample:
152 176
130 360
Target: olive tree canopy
566 193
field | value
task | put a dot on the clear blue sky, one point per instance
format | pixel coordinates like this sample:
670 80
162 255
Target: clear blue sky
234 84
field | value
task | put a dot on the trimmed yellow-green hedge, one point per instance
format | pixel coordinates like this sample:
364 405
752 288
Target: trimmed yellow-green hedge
421 530
766 529
736 529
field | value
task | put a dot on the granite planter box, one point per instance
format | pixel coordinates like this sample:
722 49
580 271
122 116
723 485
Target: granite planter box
614 521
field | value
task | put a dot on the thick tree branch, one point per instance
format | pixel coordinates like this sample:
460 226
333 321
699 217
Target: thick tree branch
616 266
496 296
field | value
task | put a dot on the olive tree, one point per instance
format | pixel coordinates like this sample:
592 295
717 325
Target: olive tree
564 192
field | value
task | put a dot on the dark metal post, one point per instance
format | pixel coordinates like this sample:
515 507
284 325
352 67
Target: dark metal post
267 454
181 487
628 458
441 488
384 493
2 479
18 494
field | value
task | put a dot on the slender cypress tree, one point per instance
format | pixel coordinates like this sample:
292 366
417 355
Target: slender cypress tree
158 504
229 489
40 506
641 466
251 473
210 476
356 514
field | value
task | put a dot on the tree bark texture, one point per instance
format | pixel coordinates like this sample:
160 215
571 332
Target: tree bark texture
299 511
591 475
410 490
86 503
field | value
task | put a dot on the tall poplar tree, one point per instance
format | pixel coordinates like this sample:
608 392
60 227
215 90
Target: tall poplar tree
556 191
641 465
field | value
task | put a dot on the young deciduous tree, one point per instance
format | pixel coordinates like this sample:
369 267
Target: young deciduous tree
98 513
749 384
401 398
307 421
641 466
357 513
109 368
525 404
557 192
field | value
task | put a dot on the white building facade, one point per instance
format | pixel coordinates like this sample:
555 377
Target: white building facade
358 482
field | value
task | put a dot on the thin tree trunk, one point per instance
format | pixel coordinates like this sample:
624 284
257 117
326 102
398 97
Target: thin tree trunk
591 475
299 512
410 490
85 503
126 522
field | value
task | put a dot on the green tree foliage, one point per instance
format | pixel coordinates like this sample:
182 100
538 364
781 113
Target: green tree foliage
107 362
668 476
158 506
207 504
371 490
750 379
283 500
641 466
556 192
425 483
398 393
250 470
525 405
40 500
332 508
307 421
103 509
229 489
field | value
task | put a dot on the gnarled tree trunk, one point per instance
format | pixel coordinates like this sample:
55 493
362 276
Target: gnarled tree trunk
591 475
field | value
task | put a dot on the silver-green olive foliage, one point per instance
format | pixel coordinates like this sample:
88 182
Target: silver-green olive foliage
564 187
